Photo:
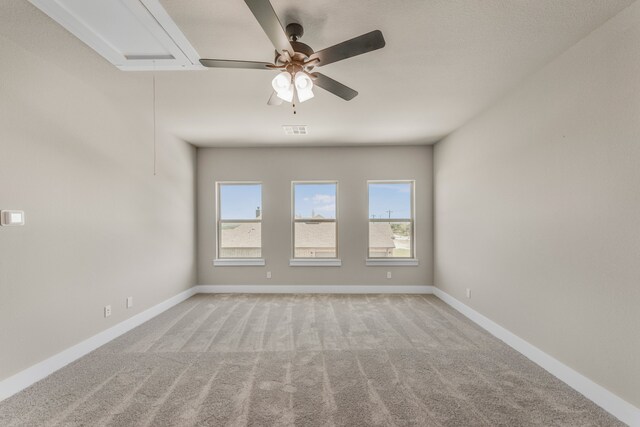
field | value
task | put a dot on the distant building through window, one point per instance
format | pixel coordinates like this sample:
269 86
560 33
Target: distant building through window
239 220
391 225
315 233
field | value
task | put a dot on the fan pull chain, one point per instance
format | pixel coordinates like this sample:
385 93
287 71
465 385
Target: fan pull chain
155 157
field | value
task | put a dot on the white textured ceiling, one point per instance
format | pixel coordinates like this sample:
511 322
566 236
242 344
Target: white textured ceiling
444 62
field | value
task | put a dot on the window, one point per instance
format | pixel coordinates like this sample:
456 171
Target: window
314 220
239 220
391 229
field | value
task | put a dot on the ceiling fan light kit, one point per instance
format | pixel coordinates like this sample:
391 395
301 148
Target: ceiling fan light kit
296 60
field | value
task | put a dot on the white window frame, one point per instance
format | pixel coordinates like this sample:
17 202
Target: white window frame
309 261
393 261
229 261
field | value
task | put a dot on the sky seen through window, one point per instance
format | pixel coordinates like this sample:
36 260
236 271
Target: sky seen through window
240 201
390 200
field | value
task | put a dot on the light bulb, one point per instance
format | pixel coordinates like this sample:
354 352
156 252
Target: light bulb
303 81
304 86
281 82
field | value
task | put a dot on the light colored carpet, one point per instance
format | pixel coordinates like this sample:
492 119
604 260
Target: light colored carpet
305 360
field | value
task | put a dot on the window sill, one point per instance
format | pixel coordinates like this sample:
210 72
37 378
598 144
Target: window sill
315 262
381 262
239 262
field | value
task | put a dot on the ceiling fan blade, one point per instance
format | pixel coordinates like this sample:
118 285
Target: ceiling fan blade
274 99
224 63
336 88
268 20
353 47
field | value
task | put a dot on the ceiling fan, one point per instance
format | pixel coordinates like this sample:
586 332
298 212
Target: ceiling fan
296 60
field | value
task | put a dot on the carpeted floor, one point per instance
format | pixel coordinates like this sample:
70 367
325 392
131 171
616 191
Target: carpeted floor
304 360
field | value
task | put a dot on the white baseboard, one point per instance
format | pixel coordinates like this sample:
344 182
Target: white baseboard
615 405
314 289
621 409
35 373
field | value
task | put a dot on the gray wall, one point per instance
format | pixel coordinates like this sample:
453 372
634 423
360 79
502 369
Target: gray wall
538 208
99 226
276 168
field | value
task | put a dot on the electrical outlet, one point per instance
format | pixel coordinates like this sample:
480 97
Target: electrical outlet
268 275
129 302
468 293
388 275
107 310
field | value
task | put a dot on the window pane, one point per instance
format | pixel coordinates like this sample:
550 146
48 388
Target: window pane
390 200
240 240
390 239
315 201
315 240
240 201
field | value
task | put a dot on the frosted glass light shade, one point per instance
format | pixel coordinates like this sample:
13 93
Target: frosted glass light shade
304 86
283 86
281 82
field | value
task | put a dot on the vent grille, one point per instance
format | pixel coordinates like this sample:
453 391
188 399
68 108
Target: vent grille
295 129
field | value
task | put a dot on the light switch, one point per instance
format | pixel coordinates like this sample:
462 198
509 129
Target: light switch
11 217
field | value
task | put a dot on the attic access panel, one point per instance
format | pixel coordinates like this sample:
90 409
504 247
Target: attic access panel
131 34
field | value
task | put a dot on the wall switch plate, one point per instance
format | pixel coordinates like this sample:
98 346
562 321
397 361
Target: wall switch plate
268 275
468 293
107 310
388 275
129 302
11 218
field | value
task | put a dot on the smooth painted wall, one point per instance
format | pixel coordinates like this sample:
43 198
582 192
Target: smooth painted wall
276 168
537 208
78 159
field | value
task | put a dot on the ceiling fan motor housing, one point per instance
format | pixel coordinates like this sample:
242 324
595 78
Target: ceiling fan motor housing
302 48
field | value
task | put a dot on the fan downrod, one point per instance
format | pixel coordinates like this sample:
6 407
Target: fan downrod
301 51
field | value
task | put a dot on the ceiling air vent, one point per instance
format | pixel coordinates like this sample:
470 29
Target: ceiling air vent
295 129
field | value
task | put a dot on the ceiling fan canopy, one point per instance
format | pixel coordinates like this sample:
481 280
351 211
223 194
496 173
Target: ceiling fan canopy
296 60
